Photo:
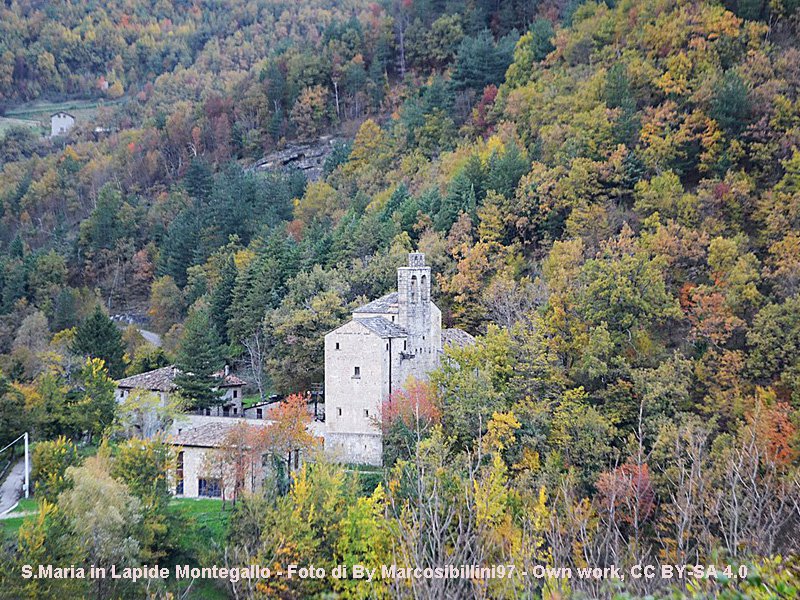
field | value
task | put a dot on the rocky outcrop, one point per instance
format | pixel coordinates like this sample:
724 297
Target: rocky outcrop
308 158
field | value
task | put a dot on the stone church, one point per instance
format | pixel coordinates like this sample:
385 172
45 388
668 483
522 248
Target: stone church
388 341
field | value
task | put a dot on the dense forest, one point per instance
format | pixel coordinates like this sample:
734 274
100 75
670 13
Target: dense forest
609 197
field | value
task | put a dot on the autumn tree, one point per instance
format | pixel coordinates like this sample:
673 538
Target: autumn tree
51 459
288 433
309 112
143 465
104 518
407 417
166 304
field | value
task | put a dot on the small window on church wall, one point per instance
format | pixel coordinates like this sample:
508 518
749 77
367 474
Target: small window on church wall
357 372
413 288
339 411
405 345
424 287
366 412
337 345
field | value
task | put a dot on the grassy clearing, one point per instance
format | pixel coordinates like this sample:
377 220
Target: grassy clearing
248 401
36 115
9 122
252 399
9 528
203 516
26 505
39 109
202 525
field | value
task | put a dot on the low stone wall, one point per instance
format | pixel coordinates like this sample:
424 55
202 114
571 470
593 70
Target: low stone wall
358 448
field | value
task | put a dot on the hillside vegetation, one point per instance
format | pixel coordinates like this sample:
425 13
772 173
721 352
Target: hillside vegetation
609 197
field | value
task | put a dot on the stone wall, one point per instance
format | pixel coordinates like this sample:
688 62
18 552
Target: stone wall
353 401
356 448
206 463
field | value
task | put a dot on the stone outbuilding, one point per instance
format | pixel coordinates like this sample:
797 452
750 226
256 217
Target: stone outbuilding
162 382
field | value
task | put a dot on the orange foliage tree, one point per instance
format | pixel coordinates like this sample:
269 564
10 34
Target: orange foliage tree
407 417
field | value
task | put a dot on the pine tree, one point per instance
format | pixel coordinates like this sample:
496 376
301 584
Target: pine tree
179 249
199 180
460 198
221 298
98 337
199 357
730 106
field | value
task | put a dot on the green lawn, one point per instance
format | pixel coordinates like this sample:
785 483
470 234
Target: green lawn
8 122
40 108
206 515
202 526
25 505
10 527
204 519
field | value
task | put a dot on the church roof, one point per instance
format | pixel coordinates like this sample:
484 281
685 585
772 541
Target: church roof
384 304
383 327
456 337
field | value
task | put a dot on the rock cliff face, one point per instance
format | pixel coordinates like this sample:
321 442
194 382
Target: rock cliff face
308 158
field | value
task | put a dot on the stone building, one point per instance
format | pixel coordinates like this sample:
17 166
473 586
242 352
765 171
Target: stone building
389 340
162 382
202 463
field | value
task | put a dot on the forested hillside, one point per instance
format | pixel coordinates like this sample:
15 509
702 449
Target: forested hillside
609 197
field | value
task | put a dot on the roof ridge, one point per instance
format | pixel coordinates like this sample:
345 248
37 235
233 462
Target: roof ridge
382 326
385 304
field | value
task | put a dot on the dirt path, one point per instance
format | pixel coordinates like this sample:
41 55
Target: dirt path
11 490
151 337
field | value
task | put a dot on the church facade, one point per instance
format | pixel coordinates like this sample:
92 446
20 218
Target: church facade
387 341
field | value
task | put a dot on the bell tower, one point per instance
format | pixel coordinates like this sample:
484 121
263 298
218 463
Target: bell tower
414 307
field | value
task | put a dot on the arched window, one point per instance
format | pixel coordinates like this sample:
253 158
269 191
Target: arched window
413 288
424 287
